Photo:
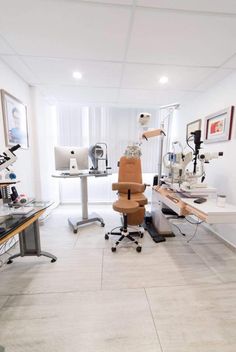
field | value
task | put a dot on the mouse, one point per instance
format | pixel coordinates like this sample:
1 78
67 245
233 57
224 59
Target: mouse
200 200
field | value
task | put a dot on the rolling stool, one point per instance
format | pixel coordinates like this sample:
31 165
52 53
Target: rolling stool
125 206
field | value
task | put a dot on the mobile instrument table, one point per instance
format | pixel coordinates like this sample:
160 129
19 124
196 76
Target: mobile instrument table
86 218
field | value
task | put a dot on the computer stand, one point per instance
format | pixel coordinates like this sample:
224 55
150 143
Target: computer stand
75 223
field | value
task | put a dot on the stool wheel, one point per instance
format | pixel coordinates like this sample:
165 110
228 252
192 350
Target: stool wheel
113 249
141 234
102 224
106 237
138 249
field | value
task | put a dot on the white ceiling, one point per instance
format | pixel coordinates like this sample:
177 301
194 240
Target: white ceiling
122 47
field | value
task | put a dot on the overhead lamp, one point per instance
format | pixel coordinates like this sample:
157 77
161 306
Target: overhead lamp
164 80
77 75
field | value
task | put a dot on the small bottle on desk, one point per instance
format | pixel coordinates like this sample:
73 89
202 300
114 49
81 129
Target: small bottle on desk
221 200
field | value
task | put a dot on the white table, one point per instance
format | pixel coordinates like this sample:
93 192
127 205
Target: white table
207 211
213 213
86 218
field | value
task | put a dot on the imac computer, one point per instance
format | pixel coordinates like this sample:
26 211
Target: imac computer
73 160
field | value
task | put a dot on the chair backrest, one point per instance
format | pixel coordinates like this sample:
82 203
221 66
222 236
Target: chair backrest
130 170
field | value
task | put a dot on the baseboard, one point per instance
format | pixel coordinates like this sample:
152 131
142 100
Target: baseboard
219 236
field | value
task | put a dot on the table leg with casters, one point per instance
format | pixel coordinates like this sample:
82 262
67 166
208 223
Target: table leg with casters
75 223
29 240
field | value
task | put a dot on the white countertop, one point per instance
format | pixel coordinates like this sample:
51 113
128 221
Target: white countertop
210 207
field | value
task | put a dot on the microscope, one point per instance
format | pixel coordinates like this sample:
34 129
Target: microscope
7 176
187 169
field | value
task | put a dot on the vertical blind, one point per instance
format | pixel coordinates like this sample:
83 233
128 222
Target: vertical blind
116 126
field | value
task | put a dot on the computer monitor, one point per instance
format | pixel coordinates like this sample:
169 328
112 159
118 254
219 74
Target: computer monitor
72 159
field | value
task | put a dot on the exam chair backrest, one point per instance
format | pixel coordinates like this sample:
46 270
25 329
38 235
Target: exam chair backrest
130 170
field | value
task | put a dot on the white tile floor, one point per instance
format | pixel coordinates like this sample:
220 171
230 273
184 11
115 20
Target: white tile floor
171 297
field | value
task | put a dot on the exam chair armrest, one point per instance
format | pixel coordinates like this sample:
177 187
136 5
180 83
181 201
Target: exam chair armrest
123 187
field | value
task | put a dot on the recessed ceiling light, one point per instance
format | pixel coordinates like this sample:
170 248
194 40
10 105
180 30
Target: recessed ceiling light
77 75
163 79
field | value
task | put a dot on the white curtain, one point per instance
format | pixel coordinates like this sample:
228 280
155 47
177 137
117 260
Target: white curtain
72 125
116 126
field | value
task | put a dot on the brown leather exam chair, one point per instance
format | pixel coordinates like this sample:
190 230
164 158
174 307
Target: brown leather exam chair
131 201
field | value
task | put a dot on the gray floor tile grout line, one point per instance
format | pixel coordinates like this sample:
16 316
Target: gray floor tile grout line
76 240
102 267
119 289
209 267
5 303
154 323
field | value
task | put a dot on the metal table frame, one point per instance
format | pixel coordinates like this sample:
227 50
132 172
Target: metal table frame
29 238
86 218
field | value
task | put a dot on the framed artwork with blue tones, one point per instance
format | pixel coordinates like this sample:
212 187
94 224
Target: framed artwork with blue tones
15 120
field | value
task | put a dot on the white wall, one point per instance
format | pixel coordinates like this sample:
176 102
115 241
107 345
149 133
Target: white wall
23 167
45 138
221 173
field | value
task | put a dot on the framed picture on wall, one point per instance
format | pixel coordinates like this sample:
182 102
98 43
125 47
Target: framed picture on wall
193 126
15 120
218 126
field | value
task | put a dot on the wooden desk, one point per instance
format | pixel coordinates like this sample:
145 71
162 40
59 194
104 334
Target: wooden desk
29 237
208 211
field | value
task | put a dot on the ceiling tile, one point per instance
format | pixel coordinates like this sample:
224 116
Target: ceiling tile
152 97
231 63
226 6
4 48
59 71
143 76
215 77
80 95
18 66
137 96
66 29
113 2
181 39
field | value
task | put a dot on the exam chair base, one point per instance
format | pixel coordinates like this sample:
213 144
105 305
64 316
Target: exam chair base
75 223
123 233
153 233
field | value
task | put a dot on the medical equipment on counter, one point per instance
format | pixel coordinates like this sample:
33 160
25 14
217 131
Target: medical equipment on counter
7 176
63 156
71 159
99 158
176 163
8 157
